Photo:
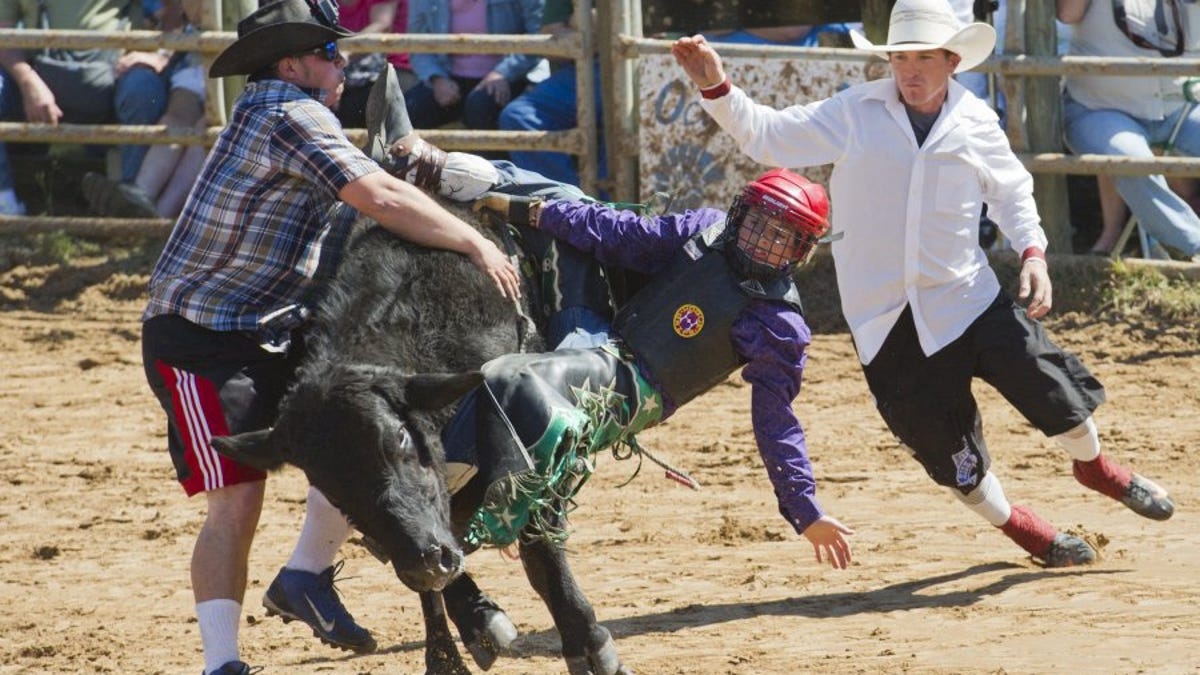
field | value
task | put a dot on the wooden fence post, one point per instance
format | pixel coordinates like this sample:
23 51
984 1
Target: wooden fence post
875 15
1044 125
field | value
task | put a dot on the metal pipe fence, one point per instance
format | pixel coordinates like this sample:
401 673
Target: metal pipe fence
621 29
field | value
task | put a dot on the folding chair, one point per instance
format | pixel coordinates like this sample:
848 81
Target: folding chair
1148 246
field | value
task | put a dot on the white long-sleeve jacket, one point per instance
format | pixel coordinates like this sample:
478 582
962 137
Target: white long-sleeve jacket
909 215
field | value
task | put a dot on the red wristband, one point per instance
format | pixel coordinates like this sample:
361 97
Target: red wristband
1033 252
717 91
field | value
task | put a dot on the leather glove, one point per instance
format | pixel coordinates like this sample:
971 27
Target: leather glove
513 209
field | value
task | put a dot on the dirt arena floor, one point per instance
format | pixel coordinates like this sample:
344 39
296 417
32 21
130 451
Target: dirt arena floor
95 535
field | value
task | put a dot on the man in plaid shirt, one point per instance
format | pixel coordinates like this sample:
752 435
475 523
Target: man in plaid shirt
271 207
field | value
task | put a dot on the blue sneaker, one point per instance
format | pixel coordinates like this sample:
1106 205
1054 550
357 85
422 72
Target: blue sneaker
233 668
312 598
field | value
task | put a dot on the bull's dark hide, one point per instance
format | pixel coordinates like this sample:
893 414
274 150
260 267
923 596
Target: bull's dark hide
397 337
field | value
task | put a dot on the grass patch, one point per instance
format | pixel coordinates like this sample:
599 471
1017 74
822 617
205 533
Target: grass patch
1142 291
1091 289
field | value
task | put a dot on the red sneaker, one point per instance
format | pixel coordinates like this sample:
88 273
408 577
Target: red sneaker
1142 495
1043 542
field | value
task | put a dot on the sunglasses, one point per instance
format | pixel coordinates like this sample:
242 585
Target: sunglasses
328 51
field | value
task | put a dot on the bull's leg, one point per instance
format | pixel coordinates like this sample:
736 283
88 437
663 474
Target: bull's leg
587 646
484 628
441 654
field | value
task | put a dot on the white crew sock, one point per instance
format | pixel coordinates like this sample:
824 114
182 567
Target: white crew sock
325 530
218 621
1081 443
987 500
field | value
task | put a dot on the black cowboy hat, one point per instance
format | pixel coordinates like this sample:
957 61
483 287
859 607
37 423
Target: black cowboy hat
278 29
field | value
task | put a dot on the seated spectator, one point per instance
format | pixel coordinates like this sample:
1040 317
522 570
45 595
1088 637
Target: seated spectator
167 171
469 87
1129 115
788 36
550 105
362 70
1114 215
42 87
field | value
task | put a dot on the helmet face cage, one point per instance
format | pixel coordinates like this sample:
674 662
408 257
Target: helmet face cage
767 239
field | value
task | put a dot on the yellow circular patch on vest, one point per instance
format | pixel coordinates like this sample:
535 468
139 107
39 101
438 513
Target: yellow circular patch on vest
688 321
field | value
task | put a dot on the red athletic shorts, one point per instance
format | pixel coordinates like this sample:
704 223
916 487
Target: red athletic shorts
210 383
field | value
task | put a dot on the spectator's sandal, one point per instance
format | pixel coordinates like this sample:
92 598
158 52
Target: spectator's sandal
109 198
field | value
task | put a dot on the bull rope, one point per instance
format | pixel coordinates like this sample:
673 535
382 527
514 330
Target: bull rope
626 450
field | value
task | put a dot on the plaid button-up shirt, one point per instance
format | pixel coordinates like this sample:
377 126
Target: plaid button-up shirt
262 213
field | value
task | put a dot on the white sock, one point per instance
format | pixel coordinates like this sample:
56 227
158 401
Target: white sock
218 621
1081 443
987 500
325 530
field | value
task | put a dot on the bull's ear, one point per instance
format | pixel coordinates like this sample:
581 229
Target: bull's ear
252 448
432 391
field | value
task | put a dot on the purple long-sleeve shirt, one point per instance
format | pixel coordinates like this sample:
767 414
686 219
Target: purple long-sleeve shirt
770 336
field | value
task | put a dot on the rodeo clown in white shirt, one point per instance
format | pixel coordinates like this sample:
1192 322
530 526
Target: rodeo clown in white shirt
915 157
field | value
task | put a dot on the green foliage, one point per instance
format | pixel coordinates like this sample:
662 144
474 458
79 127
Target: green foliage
61 248
1094 288
130 255
1137 291
52 248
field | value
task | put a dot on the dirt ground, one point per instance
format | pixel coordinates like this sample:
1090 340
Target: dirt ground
95 535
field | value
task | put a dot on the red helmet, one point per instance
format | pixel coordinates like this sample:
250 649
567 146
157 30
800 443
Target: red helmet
777 222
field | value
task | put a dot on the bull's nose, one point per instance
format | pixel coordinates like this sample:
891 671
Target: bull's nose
443 560
436 567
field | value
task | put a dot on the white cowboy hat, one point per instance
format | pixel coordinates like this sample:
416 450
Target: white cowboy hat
917 25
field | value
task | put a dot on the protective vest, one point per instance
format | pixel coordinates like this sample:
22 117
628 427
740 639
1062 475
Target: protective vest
680 324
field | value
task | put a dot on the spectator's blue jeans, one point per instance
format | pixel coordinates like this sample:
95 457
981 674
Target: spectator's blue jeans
477 109
1164 214
550 106
139 97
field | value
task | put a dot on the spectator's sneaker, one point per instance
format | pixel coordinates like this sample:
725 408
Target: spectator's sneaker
1142 495
312 598
1045 543
108 197
233 668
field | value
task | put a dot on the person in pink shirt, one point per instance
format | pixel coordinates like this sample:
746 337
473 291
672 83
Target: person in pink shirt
469 87
371 16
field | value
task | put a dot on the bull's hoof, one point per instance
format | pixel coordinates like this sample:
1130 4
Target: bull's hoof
494 636
459 668
602 660
442 658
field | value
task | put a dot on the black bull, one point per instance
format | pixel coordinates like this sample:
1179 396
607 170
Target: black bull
397 338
